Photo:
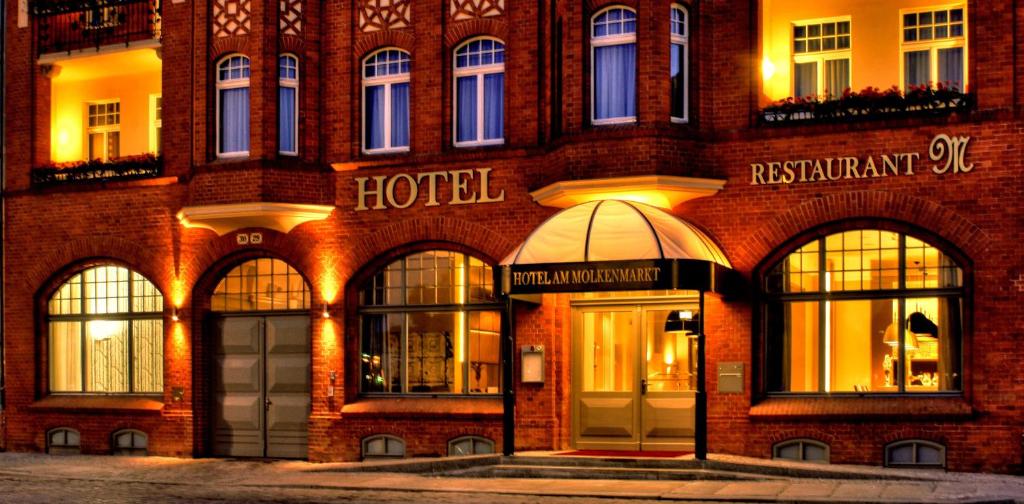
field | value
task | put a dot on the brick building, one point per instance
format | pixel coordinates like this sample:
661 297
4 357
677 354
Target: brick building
406 228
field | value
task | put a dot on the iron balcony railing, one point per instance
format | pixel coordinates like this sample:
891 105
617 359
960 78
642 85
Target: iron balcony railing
70 25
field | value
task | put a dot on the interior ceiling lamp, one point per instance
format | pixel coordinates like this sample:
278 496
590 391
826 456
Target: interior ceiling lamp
682 321
892 339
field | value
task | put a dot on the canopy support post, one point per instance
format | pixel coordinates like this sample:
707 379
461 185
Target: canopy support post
701 428
508 434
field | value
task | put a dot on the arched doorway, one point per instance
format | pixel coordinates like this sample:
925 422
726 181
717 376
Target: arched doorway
259 333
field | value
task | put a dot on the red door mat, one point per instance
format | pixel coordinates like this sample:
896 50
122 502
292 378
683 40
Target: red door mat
623 453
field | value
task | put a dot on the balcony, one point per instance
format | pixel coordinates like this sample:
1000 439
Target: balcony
64 26
868 104
127 168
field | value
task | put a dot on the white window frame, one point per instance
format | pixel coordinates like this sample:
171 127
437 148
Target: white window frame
293 84
387 81
156 122
479 71
684 42
802 443
914 444
933 46
603 41
104 130
820 57
222 85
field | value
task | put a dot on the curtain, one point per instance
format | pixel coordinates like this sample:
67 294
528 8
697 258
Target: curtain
915 68
373 123
465 89
234 120
65 357
494 106
615 81
400 115
805 79
951 67
148 356
286 119
677 78
837 77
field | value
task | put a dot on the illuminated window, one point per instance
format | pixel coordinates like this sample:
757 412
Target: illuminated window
288 105
263 284
104 130
470 445
233 106
613 68
106 333
804 450
843 312
430 324
381 446
915 453
479 93
130 442
386 101
821 58
933 48
679 73
156 123
63 441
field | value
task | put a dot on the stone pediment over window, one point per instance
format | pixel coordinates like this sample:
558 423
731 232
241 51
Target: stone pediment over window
223 219
469 9
376 15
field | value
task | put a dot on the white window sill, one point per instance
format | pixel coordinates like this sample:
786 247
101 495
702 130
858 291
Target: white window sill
613 120
680 120
233 155
375 152
481 143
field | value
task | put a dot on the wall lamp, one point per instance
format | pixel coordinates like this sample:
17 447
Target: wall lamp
174 313
325 313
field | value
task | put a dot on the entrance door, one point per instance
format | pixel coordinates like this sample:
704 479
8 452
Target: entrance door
261 386
633 381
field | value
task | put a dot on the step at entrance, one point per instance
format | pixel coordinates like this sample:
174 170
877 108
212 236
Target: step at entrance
591 472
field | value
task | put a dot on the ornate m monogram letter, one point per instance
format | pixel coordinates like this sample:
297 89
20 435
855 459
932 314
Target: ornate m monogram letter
953 150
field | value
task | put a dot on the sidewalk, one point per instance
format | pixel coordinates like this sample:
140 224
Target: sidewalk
942 487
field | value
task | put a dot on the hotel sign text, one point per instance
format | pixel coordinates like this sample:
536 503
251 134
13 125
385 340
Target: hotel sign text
588 277
403 190
949 153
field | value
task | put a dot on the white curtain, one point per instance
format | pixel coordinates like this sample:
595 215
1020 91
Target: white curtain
805 82
916 66
951 67
234 120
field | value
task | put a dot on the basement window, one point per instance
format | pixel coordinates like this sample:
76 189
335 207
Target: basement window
383 446
470 445
803 450
130 442
63 441
915 453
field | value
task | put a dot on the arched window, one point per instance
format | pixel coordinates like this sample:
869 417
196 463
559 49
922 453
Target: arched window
864 311
106 333
383 445
613 66
679 72
479 93
233 106
470 445
915 453
263 284
386 101
63 441
288 105
130 442
804 450
430 325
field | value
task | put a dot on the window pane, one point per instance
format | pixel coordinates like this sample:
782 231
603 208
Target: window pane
805 79
286 119
814 453
837 77
381 357
677 80
65 356
400 115
861 353
494 106
951 67
465 89
903 454
933 341
615 81
261 284
793 346
373 118
106 356
928 455
916 66
484 352
148 356
234 120
608 349
436 352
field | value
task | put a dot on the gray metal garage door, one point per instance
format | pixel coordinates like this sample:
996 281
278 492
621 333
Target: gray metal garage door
261 382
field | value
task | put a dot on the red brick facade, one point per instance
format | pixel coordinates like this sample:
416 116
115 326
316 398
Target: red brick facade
52 232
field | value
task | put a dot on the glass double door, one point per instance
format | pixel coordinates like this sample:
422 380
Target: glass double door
634 379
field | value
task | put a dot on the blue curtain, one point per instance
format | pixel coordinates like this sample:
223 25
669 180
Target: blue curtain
677 78
466 113
951 67
916 66
234 120
615 81
400 115
494 105
286 119
373 123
